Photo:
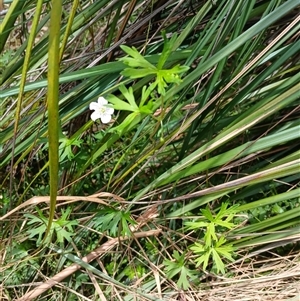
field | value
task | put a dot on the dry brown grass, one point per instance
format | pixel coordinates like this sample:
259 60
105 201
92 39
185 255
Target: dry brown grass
273 279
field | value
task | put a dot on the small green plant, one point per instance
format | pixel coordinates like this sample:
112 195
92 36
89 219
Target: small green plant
137 111
21 268
114 221
178 266
214 246
139 67
80 279
58 227
5 57
214 251
66 147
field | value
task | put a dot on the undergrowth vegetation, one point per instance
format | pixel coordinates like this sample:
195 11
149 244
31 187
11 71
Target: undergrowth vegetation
149 150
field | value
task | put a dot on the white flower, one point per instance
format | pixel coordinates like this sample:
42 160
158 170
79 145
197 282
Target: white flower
102 110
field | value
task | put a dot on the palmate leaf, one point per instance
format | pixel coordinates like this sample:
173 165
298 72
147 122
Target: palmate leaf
178 266
141 68
128 94
57 227
183 281
229 212
168 47
147 109
210 234
38 231
62 223
138 112
223 217
160 83
137 73
224 224
168 76
146 93
114 221
204 253
119 104
195 225
220 250
172 75
224 250
214 252
172 268
207 213
218 261
66 146
61 233
136 60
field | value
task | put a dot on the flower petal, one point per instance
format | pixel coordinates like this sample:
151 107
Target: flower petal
102 101
94 106
109 110
95 115
105 118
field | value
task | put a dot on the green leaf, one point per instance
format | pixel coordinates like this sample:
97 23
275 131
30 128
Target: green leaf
178 267
137 59
172 268
129 122
183 278
207 213
218 261
126 221
178 257
39 231
147 109
224 224
128 94
210 234
137 73
119 104
204 255
168 45
57 227
61 233
196 225
146 92
66 146
111 220
141 68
